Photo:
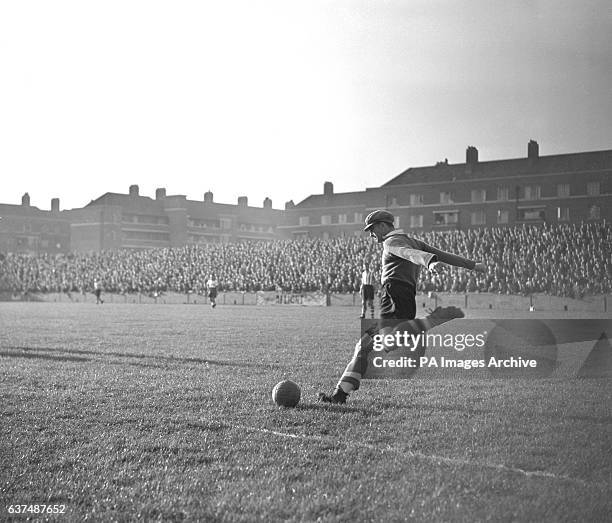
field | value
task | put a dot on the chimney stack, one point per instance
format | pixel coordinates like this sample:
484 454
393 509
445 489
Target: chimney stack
208 197
133 190
267 203
243 201
25 200
328 189
160 193
289 205
471 155
55 204
471 159
533 150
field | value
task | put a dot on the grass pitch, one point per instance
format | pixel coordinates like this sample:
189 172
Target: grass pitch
163 412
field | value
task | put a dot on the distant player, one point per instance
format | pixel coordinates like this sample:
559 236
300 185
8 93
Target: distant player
98 291
212 285
402 259
367 290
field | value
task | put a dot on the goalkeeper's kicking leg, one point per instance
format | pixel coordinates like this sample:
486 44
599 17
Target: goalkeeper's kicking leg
352 375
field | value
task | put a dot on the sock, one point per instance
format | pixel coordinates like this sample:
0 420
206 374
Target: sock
351 377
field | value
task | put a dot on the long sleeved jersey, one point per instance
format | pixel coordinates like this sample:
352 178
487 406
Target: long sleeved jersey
403 257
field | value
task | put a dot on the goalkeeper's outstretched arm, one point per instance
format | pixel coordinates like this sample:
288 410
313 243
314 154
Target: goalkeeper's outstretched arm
448 258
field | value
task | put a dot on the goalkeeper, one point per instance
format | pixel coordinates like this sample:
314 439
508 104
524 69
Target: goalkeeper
402 259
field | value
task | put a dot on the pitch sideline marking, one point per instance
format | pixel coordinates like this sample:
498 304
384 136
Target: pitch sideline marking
428 457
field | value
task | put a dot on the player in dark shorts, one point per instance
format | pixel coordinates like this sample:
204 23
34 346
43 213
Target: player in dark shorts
402 259
212 284
367 290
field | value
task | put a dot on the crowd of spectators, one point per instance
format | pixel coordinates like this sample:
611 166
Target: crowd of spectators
563 260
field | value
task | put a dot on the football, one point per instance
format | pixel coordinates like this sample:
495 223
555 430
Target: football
286 393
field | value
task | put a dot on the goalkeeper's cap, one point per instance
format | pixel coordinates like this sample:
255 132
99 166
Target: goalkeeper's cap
378 216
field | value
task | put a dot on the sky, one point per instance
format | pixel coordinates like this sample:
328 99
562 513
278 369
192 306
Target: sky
273 98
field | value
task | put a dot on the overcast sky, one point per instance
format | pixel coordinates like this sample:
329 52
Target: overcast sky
272 98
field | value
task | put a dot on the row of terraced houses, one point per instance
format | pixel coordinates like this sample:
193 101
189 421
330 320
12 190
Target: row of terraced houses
562 188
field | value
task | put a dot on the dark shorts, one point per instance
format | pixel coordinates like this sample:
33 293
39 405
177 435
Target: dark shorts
212 293
367 292
98 292
398 301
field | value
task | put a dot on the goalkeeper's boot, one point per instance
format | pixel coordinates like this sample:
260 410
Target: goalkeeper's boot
446 313
337 397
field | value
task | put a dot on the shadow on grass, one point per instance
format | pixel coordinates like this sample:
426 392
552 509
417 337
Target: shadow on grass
342 409
169 359
32 356
451 408
137 364
595 419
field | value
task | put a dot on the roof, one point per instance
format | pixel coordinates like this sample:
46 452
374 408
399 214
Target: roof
335 200
196 208
573 162
9 209
17 209
255 215
113 198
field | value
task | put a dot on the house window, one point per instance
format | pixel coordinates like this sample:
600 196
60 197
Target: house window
416 220
563 214
358 217
342 218
396 222
478 218
304 220
593 188
531 214
532 192
446 217
416 199
392 201
503 194
594 212
325 219
502 216
563 190
446 197
479 195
